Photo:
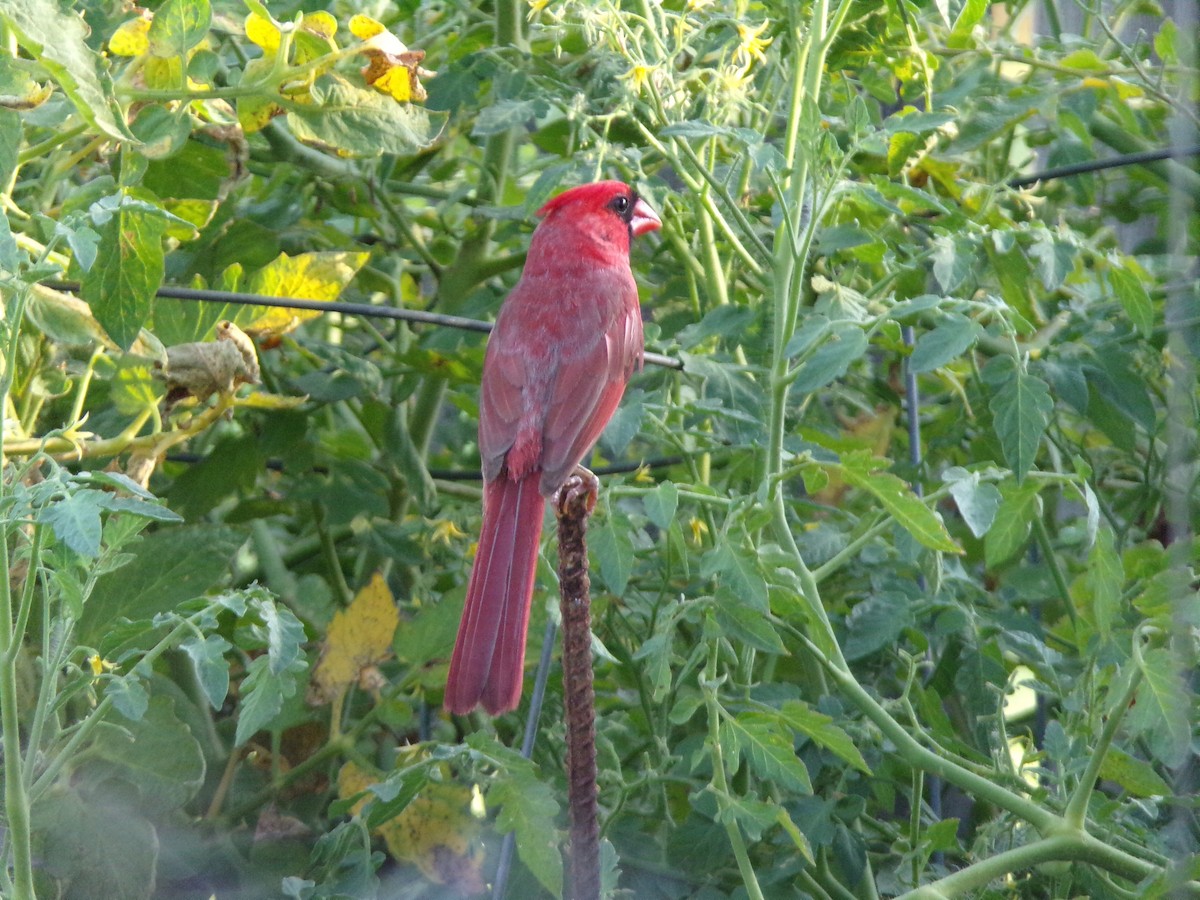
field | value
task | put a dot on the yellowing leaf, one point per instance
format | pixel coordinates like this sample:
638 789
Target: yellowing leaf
130 37
436 832
359 636
392 68
319 23
396 74
394 81
364 27
163 73
315 39
308 276
262 32
256 110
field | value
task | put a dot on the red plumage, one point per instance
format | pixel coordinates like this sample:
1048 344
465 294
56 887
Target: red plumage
566 340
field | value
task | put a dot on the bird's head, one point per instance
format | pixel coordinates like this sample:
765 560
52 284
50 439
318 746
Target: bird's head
609 212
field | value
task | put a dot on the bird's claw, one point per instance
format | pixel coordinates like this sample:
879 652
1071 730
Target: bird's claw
581 486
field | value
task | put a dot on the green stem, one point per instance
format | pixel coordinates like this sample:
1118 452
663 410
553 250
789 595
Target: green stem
1060 581
719 782
1076 812
915 754
16 800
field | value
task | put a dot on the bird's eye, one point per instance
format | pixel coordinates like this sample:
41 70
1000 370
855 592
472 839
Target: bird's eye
621 204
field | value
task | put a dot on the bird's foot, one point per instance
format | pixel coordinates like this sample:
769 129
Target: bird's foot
582 487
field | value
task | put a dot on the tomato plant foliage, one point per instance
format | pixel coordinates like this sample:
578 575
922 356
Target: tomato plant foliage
893 563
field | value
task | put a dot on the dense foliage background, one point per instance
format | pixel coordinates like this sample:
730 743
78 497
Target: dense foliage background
893 578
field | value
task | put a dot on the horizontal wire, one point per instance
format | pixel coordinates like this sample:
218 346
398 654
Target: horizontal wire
1112 162
366 310
621 468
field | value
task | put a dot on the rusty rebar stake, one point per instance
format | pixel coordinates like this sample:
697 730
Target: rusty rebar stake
573 503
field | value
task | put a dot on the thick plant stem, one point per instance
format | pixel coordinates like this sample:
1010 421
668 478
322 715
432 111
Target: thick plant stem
16 800
572 505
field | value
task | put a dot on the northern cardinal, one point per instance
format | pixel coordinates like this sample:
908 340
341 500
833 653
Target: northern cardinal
565 343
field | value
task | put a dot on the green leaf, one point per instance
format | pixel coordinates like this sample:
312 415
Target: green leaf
506 114
1105 578
120 286
752 815
859 469
726 321
901 146
129 695
528 808
75 520
58 40
845 343
1021 407
212 671
613 548
1011 268
968 17
743 622
661 503
953 261
155 512
361 122
814 328
654 654
1163 708
285 635
740 571
10 254
1130 290
768 751
1084 60
90 853
165 569
1054 258
1135 775
693 128
952 337
157 756
1166 42
875 623
178 26
262 694
1010 529
819 727
798 839
977 500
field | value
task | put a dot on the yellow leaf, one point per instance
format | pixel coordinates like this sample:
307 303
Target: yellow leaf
396 74
436 832
130 37
359 636
391 67
308 276
364 27
320 23
262 32
393 80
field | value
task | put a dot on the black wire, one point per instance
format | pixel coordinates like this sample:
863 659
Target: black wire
1112 162
365 310
621 468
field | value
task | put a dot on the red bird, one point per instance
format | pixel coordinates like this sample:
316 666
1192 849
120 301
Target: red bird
565 343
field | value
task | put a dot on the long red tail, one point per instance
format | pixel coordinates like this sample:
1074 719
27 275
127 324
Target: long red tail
489 655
